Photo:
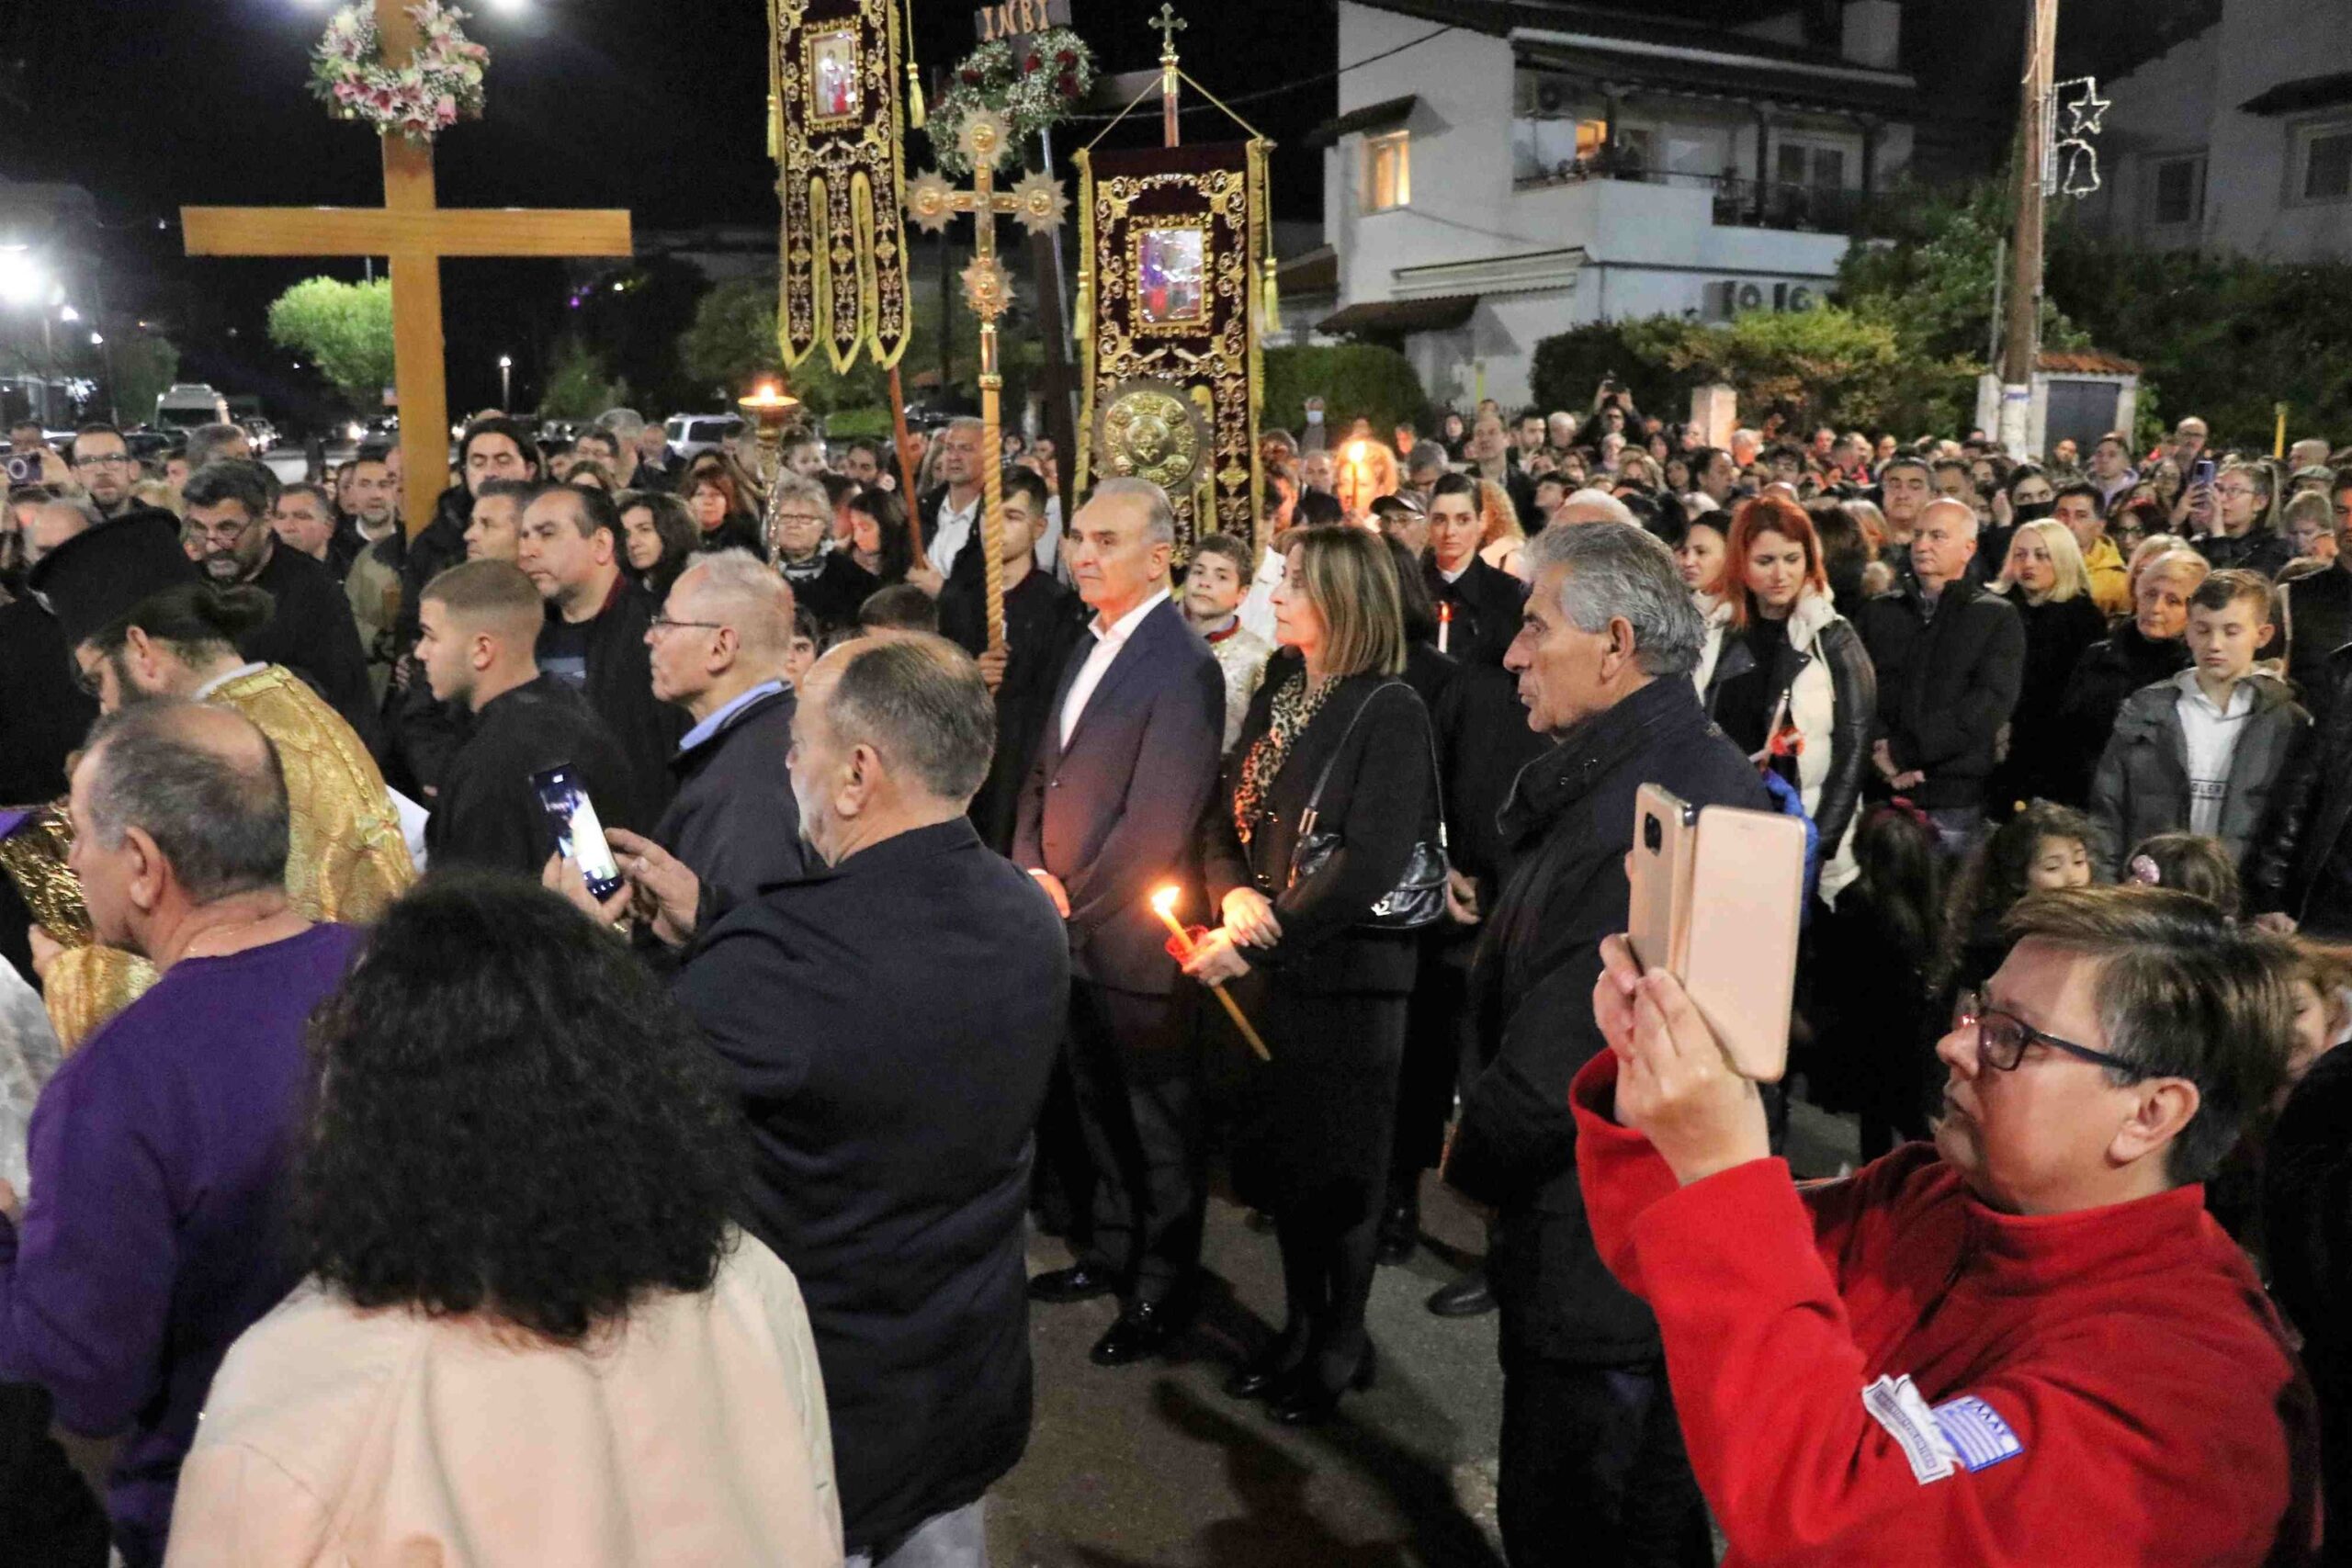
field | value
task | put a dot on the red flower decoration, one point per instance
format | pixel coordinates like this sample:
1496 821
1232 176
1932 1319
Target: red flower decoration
1067 60
971 78
1029 64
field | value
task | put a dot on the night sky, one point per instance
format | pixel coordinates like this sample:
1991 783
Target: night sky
657 105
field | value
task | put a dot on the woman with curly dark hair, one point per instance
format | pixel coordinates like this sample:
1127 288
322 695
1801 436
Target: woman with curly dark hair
529 1330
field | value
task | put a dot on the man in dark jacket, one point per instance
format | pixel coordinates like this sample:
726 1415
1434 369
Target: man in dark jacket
2302 864
1590 1450
2315 613
477 629
719 651
887 1024
1477 604
1950 658
1123 771
594 638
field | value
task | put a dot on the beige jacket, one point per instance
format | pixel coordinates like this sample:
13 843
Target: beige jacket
696 1434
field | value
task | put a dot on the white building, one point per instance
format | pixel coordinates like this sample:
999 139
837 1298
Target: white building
1542 165
2238 139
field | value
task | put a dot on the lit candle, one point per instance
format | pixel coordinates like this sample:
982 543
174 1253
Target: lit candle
1163 904
1444 624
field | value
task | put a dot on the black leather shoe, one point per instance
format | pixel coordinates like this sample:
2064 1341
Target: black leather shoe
1142 1332
1079 1282
1255 1377
1306 1400
1467 1297
1400 1232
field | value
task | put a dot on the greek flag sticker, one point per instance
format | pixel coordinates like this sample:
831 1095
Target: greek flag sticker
1976 1432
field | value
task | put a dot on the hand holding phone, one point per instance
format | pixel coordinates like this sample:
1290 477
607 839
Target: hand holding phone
578 835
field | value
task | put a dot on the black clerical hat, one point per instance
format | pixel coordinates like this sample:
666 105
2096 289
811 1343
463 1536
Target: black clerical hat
100 575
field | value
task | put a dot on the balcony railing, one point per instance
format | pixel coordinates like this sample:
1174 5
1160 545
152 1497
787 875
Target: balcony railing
1738 203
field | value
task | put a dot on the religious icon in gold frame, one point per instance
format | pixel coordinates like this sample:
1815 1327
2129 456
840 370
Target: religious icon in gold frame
1171 276
835 97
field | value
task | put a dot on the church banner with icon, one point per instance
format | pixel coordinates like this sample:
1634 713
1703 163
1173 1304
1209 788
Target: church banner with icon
837 129
1176 261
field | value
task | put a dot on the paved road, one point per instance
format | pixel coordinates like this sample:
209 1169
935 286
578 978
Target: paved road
1153 1467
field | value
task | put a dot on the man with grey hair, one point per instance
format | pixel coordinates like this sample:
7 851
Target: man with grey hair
217 443
718 651
888 1026
1951 661
1595 506
160 1149
950 514
1590 1449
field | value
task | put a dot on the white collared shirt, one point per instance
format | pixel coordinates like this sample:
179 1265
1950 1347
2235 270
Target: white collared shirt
1107 644
2210 736
952 532
203 692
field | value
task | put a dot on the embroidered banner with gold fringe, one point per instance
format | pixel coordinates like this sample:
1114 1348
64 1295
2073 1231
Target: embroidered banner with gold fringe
1172 299
836 130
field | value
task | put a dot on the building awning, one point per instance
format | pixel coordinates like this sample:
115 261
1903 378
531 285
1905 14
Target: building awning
1386 115
1400 317
2331 91
1316 272
2085 362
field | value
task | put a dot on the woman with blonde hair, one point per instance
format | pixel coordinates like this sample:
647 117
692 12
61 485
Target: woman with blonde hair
1328 794
1503 542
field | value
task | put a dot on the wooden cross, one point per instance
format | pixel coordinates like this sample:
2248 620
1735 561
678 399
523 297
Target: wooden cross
415 233
1038 203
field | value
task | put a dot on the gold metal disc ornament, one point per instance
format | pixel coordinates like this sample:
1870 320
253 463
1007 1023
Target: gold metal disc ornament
1150 430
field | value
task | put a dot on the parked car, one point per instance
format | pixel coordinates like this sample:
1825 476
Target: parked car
691 435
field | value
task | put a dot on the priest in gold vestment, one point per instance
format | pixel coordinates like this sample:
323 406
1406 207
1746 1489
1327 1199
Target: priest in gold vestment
347 858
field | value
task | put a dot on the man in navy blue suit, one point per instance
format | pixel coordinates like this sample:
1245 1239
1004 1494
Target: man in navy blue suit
1126 766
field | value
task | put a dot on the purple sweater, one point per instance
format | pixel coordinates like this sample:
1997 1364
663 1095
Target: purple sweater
152 1235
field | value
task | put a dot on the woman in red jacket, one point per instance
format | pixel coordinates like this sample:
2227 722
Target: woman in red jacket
2025 1345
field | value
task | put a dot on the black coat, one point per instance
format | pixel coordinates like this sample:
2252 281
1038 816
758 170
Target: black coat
2041 760
1483 740
2258 550
44 712
620 688
310 632
487 816
2307 1234
1381 800
1115 812
1947 684
1488 603
2107 674
1042 619
437 546
2300 863
2316 614
733 820
888 1026
1570 822
835 592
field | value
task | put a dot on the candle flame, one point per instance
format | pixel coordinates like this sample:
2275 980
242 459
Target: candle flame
1355 451
1164 901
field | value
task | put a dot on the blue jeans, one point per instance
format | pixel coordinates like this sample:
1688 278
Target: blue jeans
959 1538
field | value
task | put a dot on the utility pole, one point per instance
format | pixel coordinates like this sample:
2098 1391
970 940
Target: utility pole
2022 343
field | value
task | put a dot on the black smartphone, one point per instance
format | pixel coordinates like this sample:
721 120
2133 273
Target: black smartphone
579 836
2203 473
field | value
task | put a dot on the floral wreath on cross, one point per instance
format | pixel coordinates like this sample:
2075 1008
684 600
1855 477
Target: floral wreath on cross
440 85
1038 87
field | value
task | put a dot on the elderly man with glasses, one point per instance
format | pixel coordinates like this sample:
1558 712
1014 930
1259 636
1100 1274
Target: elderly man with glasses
2027 1343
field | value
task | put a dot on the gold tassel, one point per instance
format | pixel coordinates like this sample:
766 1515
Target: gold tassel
1082 321
775 128
914 78
1274 322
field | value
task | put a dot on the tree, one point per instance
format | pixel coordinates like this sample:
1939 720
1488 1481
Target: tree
344 328
579 386
1355 381
145 365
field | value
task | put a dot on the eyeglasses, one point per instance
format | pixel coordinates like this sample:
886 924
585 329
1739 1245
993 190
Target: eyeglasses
110 460
664 623
785 519
2236 490
2002 1037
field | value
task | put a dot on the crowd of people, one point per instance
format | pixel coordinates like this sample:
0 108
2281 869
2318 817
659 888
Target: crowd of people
721 1147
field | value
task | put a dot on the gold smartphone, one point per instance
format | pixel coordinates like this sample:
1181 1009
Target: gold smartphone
1718 898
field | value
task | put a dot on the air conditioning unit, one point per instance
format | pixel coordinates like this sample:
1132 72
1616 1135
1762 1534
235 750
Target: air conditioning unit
1552 96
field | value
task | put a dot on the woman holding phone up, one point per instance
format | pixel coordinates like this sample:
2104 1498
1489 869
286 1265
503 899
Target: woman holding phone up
1326 792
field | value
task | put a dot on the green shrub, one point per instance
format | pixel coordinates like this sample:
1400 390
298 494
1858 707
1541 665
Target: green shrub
1355 381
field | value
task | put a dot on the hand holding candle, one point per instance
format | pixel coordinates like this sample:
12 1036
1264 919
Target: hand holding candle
1163 904
1444 625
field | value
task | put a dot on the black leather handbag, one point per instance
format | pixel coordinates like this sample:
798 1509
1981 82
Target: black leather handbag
1419 898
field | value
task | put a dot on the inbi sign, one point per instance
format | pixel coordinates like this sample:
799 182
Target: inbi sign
1010 21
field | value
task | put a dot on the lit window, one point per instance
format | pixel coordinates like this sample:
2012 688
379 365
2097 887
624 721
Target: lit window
2177 191
1387 171
2326 154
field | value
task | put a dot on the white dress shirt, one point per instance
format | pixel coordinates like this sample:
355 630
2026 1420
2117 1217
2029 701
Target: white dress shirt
953 531
2211 735
1107 644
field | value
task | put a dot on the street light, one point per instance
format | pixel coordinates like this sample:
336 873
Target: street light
23 280
505 382
68 314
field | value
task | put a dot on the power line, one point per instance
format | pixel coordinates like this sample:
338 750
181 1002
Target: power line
1265 93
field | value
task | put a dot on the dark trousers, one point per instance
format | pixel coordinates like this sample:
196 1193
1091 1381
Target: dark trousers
1135 1065
1436 1042
1592 1456
47 1514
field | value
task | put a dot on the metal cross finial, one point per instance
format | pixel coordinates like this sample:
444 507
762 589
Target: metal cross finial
1168 24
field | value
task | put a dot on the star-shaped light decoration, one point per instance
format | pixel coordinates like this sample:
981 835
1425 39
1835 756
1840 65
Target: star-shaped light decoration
930 201
984 139
1039 203
988 287
2084 114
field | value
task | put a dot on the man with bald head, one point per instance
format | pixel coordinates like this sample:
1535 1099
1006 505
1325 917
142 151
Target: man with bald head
159 1151
719 649
1950 658
480 624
